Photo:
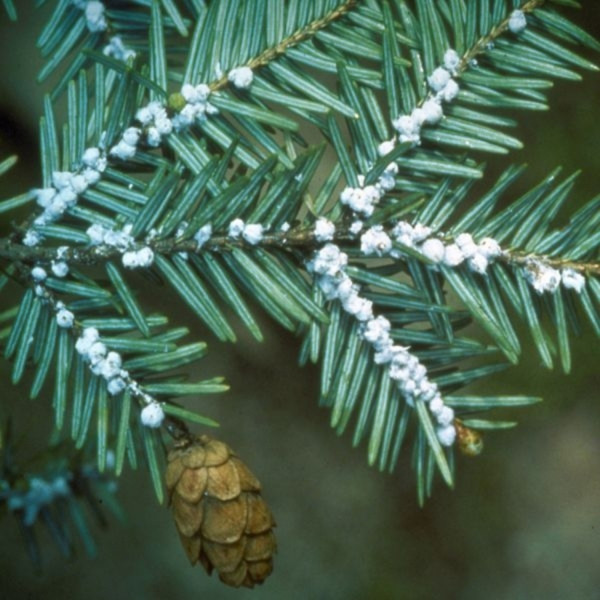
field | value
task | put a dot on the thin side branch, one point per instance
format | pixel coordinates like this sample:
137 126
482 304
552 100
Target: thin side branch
270 54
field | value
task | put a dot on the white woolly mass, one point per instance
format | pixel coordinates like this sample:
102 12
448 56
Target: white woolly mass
241 77
108 364
236 228
195 94
464 248
60 268
153 137
89 336
61 179
572 280
65 318
356 227
433 250
406 234
490 248
130 259
103 362
517 21
156 123
44 196
324 230
119 239
123 150
430 113
31 238
94 16
438 79
78 184
253 233
117 49
377 332
450 91
446 435
40 493
361 308
453 255
197 107
329 260
111 366
95 233
543 278
478 263
443 89
467 244
203 235
408 128
361 200
64 192
445 416
451 60
67 186
131 136
386 147
375 241
93 158
387 180
115 386
328 264
152 415
145 256
92 176
96 353
38 274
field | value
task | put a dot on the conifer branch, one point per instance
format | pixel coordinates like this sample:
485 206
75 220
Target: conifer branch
483 44
301 238
219 164
310 30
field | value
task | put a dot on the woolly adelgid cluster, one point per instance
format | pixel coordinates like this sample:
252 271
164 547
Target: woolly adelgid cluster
94 12
443 88
328 265
117 49
67 186
436 250
65 190
517 21
154 122
102 361
40 493
107 364
132 256
48 495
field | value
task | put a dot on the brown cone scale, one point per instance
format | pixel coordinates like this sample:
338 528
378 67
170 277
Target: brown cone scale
223 522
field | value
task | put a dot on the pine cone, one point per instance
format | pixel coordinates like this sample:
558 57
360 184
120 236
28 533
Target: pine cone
222 520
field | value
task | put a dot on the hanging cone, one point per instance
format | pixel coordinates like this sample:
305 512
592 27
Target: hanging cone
220 515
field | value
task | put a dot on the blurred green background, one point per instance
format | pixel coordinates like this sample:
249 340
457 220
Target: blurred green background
523 522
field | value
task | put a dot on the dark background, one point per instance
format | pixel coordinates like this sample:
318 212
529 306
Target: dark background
523 522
